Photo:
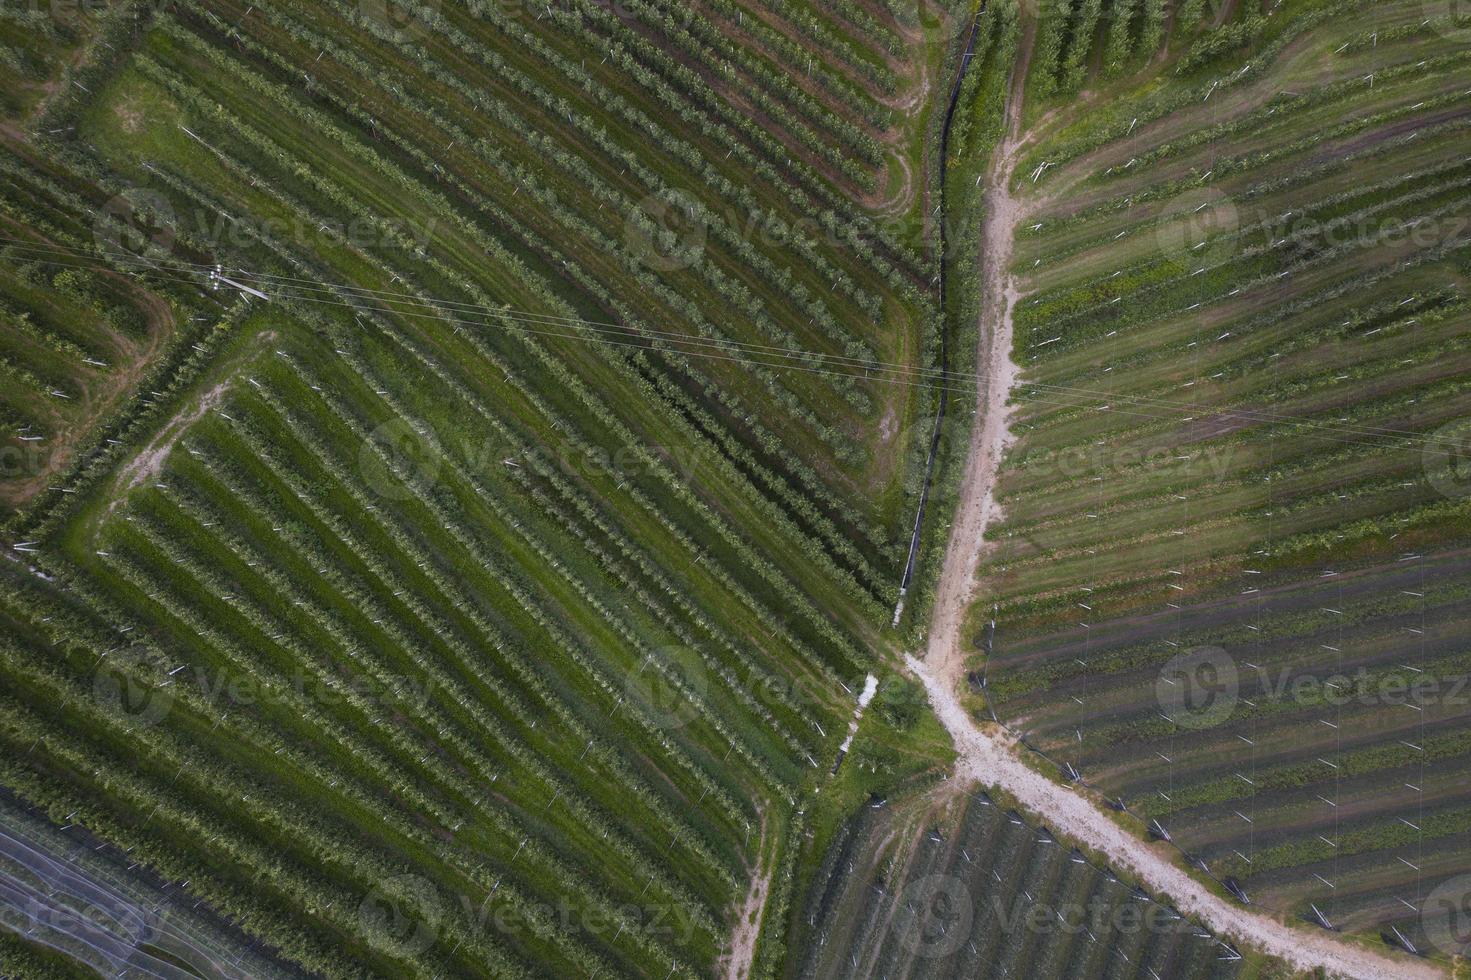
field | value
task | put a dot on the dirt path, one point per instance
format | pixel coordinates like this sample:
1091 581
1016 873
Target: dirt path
736 963
102 394
991 756
991 434
149 461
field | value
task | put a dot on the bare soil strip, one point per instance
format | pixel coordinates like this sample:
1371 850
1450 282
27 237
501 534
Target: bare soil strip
736 963
989 755
991 434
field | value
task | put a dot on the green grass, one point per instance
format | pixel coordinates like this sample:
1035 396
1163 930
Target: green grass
480 645
447 613
1243 322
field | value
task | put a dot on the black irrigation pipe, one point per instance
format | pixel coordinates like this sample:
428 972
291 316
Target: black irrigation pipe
929 468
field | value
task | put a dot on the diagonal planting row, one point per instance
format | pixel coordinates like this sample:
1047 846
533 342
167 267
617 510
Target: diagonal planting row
1228 587
831 537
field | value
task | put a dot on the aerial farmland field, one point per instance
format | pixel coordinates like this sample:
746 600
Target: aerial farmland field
798 488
